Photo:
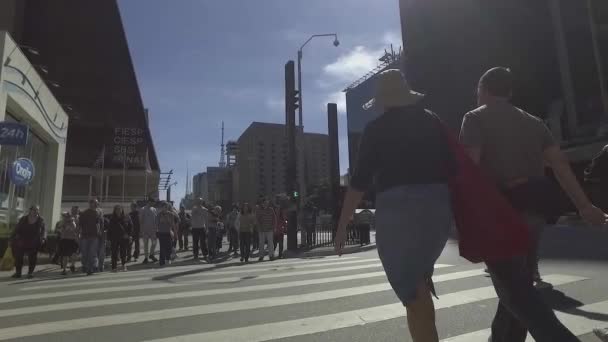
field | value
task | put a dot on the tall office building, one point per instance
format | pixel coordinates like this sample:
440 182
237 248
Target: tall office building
262 159
84 52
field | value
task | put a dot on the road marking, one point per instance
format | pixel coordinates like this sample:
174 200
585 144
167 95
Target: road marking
159 285
269 331
578 324
156 272
319 324
211 292
201 274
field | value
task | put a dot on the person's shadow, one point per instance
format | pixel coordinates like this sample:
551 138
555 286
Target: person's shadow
562 303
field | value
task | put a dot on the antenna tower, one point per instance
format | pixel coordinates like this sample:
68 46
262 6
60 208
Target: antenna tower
223 149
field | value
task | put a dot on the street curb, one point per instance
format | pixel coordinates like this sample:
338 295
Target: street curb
327 251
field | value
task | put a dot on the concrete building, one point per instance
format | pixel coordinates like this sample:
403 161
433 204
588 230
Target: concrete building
262 158
219 183
316 154
200 187
99 86
26 99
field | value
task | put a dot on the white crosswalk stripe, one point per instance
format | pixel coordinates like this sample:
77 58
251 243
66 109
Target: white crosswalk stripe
105 304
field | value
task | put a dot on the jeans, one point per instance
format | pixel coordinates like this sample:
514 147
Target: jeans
199 243
166 247
182 237
245 239
150 252
119 246
88 251
101 254
134 246
212 236
267 237
32 258
278 241
256 240
234 239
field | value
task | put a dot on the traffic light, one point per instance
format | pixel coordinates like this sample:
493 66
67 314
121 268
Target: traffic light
295 100
296 194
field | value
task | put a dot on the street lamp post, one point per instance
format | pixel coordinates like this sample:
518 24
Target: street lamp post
300 130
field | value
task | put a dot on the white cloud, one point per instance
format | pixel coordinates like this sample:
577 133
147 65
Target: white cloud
393 38
275 104
352 65
338 98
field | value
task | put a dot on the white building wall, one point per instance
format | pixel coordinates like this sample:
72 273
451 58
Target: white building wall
24 93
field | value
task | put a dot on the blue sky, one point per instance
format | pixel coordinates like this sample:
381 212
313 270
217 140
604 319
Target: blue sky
199 62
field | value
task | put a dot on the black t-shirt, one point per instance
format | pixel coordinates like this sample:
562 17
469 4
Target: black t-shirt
403 146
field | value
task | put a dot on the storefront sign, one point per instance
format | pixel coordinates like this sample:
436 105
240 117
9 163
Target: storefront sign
22 172
12 133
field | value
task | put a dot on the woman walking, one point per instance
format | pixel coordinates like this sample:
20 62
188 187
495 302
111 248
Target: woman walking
120 230
246 227
68 245
212 232
413 214
27 238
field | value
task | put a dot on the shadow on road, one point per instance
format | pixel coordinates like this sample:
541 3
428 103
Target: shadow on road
561 302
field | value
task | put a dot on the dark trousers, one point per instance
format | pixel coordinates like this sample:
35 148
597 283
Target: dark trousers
364 231
134 245
245 240
182 237
234 239
278 241
255 242
533 256
166 247
32 258
119 246
199 242
521 307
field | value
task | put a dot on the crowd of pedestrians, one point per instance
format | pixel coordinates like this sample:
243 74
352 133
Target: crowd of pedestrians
246 228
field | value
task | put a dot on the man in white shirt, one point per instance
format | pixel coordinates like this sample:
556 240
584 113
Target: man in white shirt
200 215
149 225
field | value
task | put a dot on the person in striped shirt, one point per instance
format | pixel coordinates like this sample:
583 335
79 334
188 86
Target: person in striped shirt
266 221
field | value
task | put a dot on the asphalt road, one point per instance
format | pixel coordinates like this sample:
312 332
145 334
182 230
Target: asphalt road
309 299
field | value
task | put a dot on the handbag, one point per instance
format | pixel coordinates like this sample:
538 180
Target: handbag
539 196
489 228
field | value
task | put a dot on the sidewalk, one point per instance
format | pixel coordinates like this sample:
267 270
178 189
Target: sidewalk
329 250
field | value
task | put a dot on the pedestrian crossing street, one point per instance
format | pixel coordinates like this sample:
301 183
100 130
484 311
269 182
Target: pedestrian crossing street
324 299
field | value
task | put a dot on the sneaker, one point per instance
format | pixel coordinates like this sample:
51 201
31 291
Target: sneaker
242 259
272 258
64 273
602 334
261 259
153 258
145 261
73 269
30 276
89 273
124 268
114 270
16 276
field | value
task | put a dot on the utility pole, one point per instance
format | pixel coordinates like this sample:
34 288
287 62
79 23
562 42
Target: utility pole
292 100
334 159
